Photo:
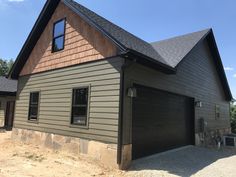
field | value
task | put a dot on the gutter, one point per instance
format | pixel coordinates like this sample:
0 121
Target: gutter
2 93
149 62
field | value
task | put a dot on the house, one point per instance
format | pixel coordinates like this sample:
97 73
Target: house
7 102
88 86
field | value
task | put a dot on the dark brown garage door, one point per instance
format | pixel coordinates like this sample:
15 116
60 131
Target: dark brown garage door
161 121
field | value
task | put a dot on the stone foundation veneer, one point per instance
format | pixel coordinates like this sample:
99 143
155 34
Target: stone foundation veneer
105 153
209 137
2 121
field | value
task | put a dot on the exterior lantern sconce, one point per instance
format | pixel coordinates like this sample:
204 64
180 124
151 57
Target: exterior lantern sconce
198 104
132 92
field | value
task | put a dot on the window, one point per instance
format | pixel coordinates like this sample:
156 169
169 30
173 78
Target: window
33 106
58 36
80 106
217 111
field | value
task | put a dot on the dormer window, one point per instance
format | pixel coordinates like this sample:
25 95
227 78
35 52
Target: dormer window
58 35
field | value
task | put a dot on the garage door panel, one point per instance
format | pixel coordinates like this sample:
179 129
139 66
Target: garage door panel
161 121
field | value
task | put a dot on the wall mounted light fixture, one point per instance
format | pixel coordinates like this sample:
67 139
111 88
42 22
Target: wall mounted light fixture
132 92
198 104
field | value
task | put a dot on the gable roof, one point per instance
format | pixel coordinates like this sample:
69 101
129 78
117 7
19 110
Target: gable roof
164 55
124 39
7 86
174 50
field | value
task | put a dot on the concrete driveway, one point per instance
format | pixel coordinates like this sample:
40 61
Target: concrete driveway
188 161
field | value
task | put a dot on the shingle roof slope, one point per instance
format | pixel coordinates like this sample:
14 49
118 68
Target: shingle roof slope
174 50
7 85
122 36
163 56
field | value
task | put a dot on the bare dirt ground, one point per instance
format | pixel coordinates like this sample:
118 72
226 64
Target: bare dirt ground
22 160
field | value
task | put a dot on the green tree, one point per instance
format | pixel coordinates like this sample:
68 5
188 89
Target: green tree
5 66
233 117
10 64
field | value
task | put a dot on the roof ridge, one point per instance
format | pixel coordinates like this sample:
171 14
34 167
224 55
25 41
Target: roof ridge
175 49
179 36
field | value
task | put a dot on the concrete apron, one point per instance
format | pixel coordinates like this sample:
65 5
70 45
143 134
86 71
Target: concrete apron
106 154
155 156
201 139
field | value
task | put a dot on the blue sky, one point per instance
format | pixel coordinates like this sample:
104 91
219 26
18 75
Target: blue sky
151 20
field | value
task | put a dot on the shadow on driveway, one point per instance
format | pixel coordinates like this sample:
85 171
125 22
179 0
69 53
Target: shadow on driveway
182 162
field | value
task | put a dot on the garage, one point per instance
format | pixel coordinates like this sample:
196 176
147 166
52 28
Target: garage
161 121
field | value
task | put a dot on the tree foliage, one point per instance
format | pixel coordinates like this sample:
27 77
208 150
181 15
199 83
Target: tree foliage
5 66
233 118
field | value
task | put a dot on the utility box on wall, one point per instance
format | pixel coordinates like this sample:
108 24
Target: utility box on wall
229 140
202 125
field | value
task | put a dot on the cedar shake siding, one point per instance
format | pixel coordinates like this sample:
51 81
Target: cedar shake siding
196 77
55 89
83 43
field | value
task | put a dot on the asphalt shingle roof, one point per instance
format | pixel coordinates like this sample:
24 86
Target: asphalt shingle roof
7 85
174 50
127 39
163 55
169 52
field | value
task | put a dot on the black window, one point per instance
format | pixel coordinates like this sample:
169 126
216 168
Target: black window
33 106
80 106
58 36
217 111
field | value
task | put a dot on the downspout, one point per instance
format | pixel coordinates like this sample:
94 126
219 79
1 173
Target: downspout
120 122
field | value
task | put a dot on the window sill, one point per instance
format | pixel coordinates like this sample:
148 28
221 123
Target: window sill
79 126
33 121
59 50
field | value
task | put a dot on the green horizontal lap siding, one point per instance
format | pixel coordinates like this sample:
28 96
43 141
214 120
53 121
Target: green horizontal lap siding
55 100
196 77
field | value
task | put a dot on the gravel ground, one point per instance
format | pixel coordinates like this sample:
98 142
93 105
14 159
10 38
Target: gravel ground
188 161
21 160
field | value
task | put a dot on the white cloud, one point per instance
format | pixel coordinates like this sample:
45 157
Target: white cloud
229 69
234 75
4 4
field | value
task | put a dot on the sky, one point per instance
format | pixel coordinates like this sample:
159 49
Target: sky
151 20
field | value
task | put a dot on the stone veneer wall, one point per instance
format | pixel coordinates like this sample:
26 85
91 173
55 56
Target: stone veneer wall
105 153
210 137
